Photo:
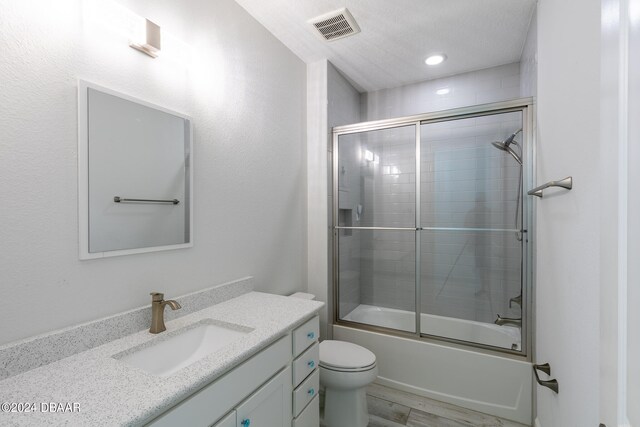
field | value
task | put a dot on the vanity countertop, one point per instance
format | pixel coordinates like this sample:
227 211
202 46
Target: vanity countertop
95 389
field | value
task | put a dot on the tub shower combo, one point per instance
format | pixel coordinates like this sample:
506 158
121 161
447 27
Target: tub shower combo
431 251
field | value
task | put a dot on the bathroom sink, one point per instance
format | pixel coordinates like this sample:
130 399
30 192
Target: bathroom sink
183 347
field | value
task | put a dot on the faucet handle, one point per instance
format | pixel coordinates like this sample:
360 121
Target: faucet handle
157 296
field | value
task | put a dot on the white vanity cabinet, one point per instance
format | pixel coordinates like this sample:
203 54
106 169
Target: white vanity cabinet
277 387
269 406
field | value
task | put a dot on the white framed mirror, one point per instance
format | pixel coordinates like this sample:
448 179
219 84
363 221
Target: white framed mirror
134 175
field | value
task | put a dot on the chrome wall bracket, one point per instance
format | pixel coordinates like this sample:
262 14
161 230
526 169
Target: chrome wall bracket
564 183
546 368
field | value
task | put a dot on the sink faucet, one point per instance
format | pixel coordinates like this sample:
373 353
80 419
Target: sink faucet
508 321
157 311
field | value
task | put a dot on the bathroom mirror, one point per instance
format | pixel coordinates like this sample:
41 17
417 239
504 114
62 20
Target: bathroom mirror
135 177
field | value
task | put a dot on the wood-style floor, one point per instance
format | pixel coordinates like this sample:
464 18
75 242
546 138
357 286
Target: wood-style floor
393 408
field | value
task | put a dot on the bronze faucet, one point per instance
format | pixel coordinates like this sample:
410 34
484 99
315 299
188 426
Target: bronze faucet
157 311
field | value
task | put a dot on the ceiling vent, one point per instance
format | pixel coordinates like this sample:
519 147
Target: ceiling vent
335 25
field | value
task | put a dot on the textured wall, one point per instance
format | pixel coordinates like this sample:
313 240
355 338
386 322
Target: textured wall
529 60
568 224
476 87
246 94
317 164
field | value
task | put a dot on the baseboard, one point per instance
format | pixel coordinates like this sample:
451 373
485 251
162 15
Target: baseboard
536 423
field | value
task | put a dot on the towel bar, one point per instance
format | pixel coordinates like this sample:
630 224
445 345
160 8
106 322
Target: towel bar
119 199
564 183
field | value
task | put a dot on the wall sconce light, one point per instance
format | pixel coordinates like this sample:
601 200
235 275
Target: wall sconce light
147 40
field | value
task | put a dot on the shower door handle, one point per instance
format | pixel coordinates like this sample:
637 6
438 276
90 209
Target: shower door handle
546 368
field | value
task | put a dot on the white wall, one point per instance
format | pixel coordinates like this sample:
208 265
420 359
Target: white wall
529 60
633 216
568 223
246 94
620 224
633 208
476 87
318 278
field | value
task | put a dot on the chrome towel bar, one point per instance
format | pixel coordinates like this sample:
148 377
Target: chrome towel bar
119 199
564 183
546 368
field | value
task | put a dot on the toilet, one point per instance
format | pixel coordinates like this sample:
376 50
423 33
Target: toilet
346 369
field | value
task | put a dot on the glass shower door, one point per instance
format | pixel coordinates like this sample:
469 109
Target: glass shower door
376 219
470 220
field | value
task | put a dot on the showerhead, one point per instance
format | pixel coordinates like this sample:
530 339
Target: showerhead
505 146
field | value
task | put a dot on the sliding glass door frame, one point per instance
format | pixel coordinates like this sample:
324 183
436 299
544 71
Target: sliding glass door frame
524 105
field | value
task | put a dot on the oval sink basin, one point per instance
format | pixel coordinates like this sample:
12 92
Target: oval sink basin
182 348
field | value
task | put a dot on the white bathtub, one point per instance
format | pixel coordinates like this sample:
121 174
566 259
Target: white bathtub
465 330
493 384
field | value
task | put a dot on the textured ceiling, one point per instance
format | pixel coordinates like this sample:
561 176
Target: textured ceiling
397 35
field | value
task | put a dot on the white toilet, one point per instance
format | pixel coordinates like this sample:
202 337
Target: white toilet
346 370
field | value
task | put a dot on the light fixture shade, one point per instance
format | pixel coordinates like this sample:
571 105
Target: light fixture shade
151 40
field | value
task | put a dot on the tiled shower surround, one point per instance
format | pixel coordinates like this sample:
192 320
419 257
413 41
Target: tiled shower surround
465 183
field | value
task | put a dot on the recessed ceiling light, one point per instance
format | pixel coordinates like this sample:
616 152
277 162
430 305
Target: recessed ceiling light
443 91
435 59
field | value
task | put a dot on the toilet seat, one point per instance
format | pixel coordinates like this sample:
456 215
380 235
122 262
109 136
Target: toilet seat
344 356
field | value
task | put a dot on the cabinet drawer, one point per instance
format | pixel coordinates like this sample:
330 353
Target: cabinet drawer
305 364
305 335
310 417
305 392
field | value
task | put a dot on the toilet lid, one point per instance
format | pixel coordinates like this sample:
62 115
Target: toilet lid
345 355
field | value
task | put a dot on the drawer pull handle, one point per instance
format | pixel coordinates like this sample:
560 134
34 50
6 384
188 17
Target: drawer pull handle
246 422
311 335
311 364
311 391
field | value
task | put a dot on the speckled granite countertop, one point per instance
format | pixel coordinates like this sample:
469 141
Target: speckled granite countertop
110 393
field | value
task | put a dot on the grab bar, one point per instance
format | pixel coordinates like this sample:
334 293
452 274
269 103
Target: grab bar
546 368
564 183
119 199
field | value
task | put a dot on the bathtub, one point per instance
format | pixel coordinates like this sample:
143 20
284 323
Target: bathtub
465 330
500 385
